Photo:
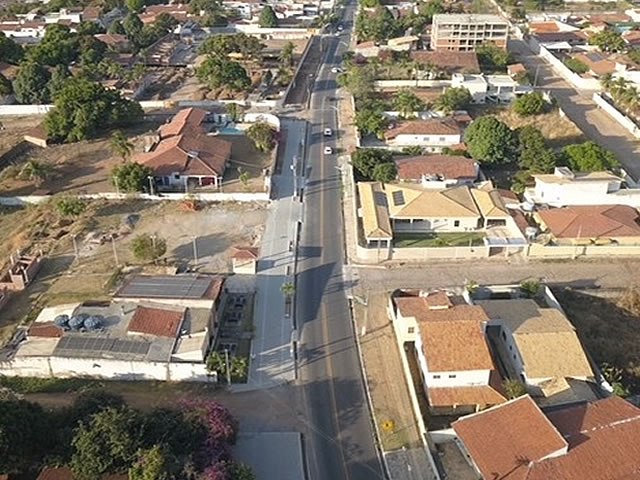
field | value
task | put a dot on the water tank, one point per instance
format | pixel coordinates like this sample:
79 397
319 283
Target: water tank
76 322
61 321
531 232
93 322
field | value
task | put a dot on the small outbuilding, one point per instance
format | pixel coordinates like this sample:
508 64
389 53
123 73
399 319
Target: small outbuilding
245 260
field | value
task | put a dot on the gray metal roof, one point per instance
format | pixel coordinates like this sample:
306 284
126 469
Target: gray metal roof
167 286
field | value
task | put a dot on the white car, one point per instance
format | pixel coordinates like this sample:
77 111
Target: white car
328 150
328 132
336 70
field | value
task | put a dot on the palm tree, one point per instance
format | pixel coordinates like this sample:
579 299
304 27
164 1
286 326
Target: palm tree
606 81
120 146
35 171
618 86
288 289
239 368
630 98
286 55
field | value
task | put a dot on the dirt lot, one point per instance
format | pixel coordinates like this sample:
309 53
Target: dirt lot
81 167
64 279
14 130
609 333
385 376
245 156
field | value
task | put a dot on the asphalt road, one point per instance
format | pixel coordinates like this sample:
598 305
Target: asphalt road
340 444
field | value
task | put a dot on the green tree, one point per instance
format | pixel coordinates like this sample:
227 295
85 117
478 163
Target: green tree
233 110
455 98
262 135
217 363
10 51
575 65
70 206
30 85
35 171
491 141
107 443
120 145
376 26
359 81
588 157
370 3
117 28
134 5
384 172
530 104
431 8
288 289
407 103
493 58
130 177
148 248
132 26
365 160
24 430
58 46
5 86
89 28
607 41
268 18
218 73
151 464
613 375
530 288
83 109
58 80
240 471
535 156
286 54
239 369
514 388
371 121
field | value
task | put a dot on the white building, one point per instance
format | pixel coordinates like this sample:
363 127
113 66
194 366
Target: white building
565 188
451 349
73 15
492 88
431 134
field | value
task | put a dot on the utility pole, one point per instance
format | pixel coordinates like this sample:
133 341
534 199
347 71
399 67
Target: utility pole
226 361
115 252
195 251
535 79
294 169
75 245
151 185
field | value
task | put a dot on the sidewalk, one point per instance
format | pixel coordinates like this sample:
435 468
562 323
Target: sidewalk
272 360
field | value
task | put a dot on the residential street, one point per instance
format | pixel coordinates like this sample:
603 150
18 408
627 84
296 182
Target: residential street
596 124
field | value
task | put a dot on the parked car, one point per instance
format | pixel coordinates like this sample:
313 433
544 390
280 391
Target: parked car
328 150
328 132
336 70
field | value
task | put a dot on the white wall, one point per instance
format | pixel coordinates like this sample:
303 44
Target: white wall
560 68
429 141
461 378
617 115
465 224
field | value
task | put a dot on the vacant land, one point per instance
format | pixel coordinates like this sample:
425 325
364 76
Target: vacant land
422 240
610 333
245 158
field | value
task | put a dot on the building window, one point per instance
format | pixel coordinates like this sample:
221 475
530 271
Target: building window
411 330
435 377
442 139
456 223
452 376
177 176
504 336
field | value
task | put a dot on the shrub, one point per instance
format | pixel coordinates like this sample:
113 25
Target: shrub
70 206
148 248
530 104
576 66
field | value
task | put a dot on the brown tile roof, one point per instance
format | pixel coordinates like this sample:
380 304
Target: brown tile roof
91 14
504 440
543 27
432 126
486 395
444 166
596 62
8 71
112 39
594 222
188 117
516 68
452 62
156 321
603 440
188 154
44 329
570 37
245 253
437 299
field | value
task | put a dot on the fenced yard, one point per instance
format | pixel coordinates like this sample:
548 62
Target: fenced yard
424 240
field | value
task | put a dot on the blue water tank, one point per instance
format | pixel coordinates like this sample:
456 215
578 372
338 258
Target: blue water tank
76 322
61 321
93 322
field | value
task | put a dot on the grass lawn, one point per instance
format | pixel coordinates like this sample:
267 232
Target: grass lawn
424 240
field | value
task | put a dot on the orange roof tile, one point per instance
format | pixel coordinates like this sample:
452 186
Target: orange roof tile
504 440
156 321
451 61
445 166
188 117
592 221
432 126
245 253
486 395
544 27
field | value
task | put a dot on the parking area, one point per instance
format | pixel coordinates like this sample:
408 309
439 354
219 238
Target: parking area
236 326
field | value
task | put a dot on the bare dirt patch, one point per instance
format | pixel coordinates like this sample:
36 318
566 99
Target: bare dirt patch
245 157
391 403
609 333
14 130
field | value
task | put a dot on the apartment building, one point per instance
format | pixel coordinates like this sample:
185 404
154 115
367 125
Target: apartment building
464 32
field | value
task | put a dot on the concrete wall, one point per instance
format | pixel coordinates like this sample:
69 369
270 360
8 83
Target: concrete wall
616 114
389 84
561 69
426 141
205 197
572 251
438 252
445 225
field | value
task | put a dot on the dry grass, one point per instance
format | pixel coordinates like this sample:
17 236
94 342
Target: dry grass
246 156
610 334
559 130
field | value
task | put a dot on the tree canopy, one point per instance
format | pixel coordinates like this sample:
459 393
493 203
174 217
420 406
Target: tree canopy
10 51
268 18
607 41
219 73
30 85
365 161
359 80
493 58
82 109
530 104
453 99
222 45
491 141
371 120
588 157
131 177
407 103
377 25
535 156
23 431
263 136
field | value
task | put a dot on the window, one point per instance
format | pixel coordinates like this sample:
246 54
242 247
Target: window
456 223
176 176
504 335
452 376
442 139
510 348
411 330
435 377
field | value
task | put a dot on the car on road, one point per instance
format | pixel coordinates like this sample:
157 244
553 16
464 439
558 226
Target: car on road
328 132
328 150
340 27
336 70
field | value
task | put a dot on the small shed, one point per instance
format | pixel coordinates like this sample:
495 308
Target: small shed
37 136
245 260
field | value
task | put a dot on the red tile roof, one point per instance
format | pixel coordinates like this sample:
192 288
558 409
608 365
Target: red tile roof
188 154
432 126
595 221
450 61
445 166
112 39
245 253
156 321
44 329
544 27
603 440
485 395
504 440
189 117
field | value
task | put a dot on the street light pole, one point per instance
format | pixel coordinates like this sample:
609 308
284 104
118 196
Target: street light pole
115 252
75 245
226 361
150 178
195 251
